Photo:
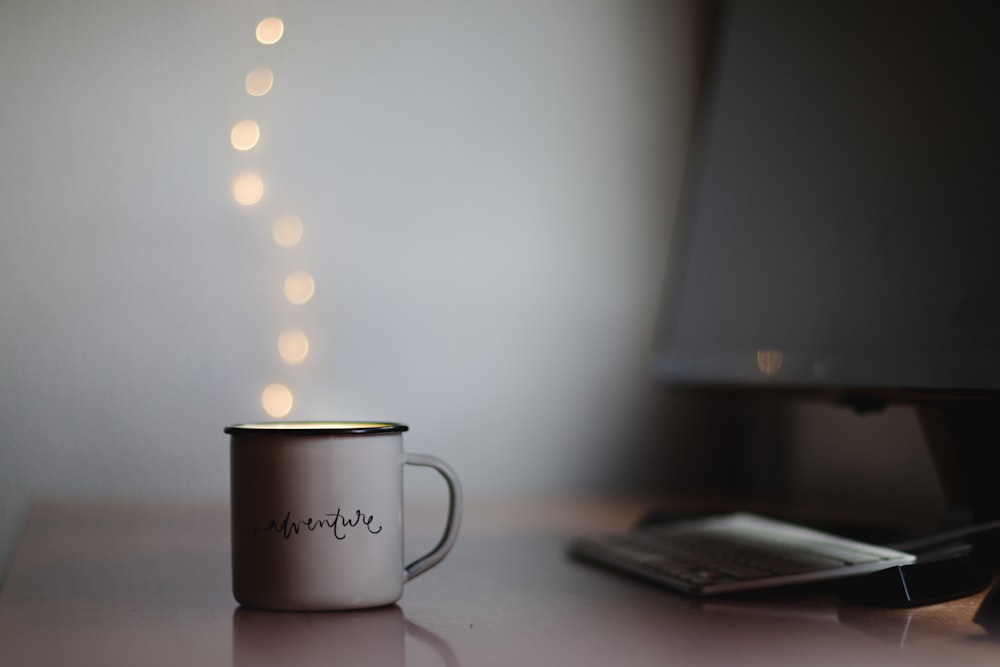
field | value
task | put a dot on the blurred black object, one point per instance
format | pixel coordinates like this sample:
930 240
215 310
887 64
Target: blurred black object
944 573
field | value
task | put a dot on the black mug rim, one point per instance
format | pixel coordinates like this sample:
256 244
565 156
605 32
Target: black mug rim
279 428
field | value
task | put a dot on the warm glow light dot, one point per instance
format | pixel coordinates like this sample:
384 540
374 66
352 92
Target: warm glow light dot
293 346
248 189
259 81
245 135
270 30
769 361
299 287
287 231
277 400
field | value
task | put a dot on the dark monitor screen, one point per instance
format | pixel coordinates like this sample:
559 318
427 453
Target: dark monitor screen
841 218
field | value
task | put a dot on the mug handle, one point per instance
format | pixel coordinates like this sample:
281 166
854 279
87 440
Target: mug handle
429 560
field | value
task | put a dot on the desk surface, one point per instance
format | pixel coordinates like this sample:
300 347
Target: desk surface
149 584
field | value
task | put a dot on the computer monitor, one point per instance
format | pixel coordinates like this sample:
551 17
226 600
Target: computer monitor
839 233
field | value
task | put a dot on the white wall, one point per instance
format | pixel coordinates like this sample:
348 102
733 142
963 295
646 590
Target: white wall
486 189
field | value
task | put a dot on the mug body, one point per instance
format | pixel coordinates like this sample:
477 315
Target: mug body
317 518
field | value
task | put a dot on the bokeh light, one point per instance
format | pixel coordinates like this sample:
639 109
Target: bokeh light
277 400
270 30
287 231
299 287
245 135
259 81
293 346
248 189
769 361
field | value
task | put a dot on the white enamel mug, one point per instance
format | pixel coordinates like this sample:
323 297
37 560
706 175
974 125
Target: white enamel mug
317 514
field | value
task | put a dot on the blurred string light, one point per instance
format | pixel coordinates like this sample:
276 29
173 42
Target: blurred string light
259 81
293 346
248 189
287 230
277 400
244 135
299 287
270 30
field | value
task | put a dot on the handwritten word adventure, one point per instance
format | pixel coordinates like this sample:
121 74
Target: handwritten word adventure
336 522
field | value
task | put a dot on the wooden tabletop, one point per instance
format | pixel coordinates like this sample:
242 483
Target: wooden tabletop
148 584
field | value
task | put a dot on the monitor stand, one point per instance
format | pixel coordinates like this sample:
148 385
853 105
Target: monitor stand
964 440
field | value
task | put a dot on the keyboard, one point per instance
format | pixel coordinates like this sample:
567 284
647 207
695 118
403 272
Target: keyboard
734 552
